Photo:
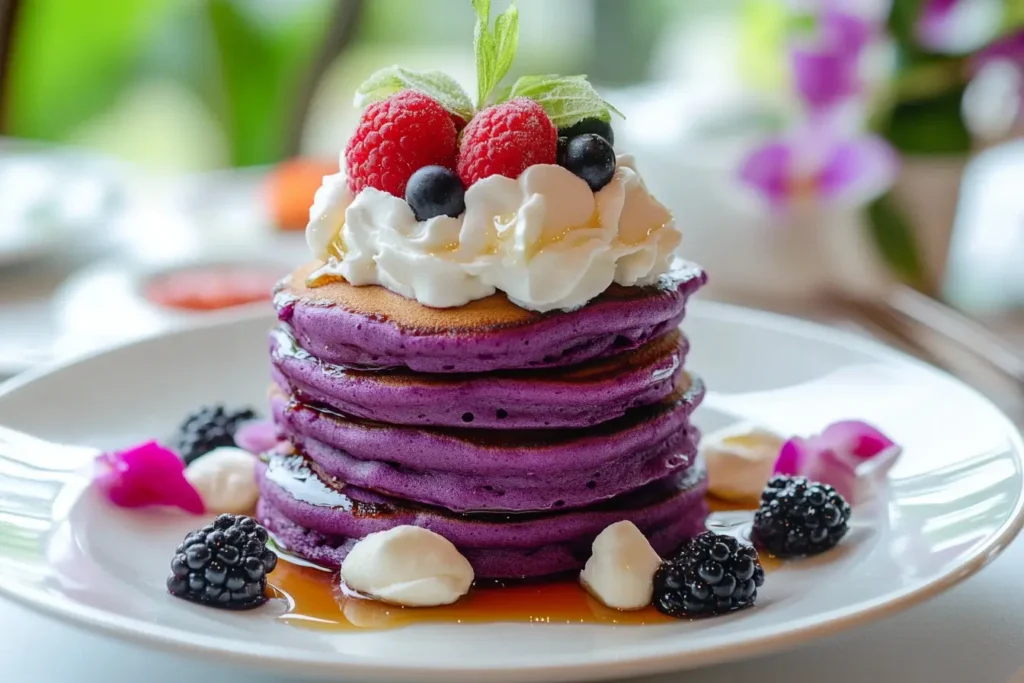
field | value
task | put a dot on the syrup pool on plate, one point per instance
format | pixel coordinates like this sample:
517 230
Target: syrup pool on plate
316 599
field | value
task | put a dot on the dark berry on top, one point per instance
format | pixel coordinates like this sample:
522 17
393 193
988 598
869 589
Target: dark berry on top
209 428
595 126
563 148
799 517
711 574
435 191
224 564
592 158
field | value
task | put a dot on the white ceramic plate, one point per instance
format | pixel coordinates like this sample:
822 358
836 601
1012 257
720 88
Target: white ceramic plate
953 503
52 197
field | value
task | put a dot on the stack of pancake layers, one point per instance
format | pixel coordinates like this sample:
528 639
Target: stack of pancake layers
518 436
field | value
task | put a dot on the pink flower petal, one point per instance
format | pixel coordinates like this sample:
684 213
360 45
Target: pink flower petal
833 469
856 438
858 170
936 24
825 77
792 457
846 31
1009 48
851 456
147 474
766 169
257 436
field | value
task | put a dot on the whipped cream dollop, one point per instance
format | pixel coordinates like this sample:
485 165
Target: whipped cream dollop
620 572
740 462
409 566
545 239
225 479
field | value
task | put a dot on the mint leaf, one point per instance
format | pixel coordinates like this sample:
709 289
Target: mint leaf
484 48
495 49
567 100
435 84
506 41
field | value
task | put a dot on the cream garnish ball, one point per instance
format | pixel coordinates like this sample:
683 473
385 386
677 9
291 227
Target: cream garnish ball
620 571
409 566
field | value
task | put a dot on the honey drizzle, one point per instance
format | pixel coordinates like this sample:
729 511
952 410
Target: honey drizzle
316 600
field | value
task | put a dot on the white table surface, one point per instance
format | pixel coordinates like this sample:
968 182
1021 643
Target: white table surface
972 634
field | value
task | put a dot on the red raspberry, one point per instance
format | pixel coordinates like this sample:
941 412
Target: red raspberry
506 139
395 138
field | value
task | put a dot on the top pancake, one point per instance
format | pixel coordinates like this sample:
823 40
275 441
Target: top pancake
373 327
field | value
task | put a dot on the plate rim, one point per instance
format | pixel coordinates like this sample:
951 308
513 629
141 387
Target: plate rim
637 662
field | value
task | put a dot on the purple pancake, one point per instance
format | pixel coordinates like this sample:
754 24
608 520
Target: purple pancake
371 327
317 521
495 453
467 493
578 396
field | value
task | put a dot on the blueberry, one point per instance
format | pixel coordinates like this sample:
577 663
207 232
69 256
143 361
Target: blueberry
595 126
563 147
435 191
592 158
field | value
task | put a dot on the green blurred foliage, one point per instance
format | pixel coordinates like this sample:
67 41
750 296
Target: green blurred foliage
243 58
72 58
261 64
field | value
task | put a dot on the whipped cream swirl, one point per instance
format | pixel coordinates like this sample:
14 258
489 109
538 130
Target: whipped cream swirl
545 239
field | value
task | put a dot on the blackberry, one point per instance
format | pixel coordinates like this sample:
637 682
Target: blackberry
711 574
799 517
209 428
224 564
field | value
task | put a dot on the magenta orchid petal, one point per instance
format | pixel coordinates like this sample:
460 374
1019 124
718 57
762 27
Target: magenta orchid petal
832 468
766 169
257 436
936 25
144 475
856 438
825 77
793 457
851 456
846 32
859 170
1009 48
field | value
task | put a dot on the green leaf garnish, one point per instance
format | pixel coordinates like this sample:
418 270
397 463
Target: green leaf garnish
567 100
495 49
435 84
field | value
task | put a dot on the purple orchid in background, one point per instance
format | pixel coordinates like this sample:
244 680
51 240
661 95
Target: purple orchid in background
144 475
957 26
1009 48
826 69
814 163
819 161
257 436
936 27
850 456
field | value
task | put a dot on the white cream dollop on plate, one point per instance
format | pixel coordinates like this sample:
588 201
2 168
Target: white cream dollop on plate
620 572
225 479
409 566
740 462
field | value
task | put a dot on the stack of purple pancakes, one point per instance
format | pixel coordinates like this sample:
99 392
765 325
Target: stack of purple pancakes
518 436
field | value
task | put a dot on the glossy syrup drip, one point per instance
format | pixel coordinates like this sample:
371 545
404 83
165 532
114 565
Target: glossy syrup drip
317 601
